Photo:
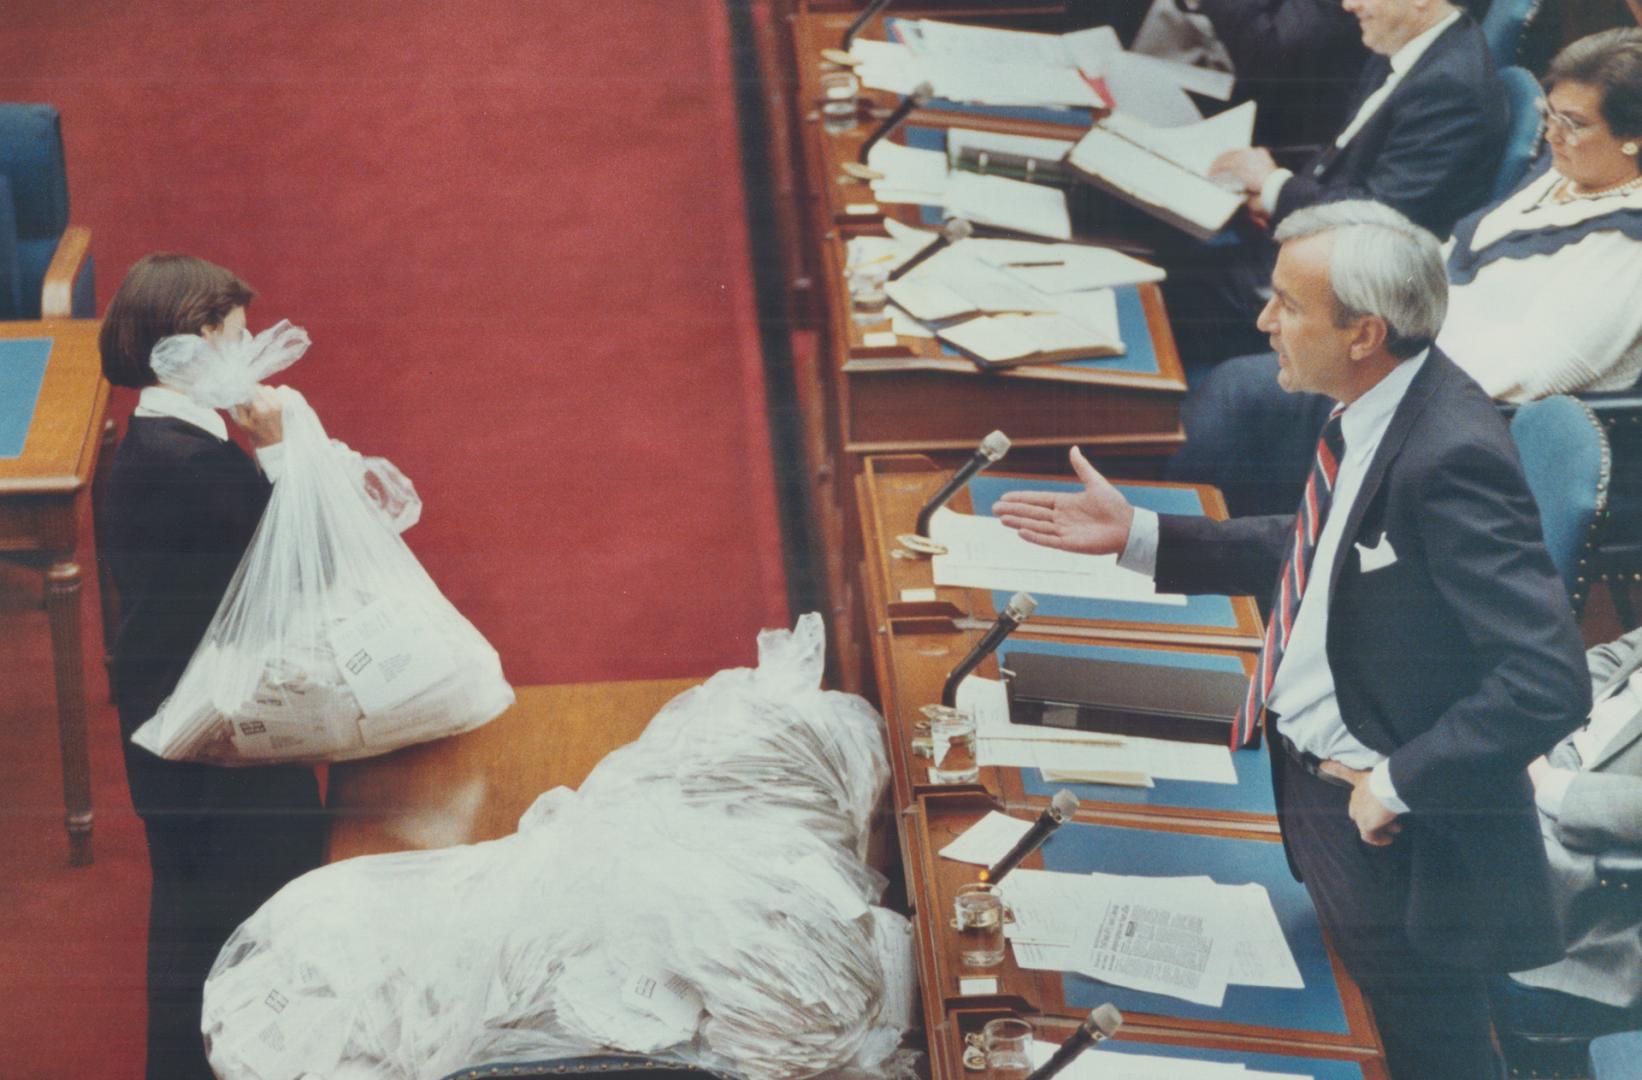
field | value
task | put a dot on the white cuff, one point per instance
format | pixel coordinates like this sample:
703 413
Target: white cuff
272 460
1552 789
1140 550
1270 189
1379 782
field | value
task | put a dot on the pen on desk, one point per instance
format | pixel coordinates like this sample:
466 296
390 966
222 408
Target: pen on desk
1057 262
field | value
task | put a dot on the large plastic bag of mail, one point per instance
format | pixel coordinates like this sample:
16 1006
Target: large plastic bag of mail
331 641
649 912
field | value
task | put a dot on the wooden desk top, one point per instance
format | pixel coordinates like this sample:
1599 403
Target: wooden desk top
68 418
474 786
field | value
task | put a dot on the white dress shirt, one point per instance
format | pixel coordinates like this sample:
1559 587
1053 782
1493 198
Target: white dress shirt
1302 693
1608 717
164 401
1401 60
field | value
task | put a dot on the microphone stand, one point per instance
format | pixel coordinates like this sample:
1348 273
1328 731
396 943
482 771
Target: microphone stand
1020 608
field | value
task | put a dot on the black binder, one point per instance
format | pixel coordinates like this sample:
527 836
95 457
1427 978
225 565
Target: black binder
1155 701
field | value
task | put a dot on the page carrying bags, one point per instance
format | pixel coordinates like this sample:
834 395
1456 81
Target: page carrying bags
331 641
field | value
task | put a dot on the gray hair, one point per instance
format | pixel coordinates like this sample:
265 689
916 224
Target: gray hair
1382 265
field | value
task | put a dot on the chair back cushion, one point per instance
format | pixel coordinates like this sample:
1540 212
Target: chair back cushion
1617 1056
9 287
1565 456
31 158
1522 134
1503 25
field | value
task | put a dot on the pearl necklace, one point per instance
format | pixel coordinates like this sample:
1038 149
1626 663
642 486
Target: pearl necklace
1565 191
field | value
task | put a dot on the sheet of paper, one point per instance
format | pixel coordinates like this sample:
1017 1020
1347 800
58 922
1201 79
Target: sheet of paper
902 324
1042 956
1261 955
1047 905
668 997
1010 204
1090 50
910 175
1007 338
1137 86
988 840
1193 146
887 66
386 657
1140 173
821 879
982 553
1065 268
1155 937
1199 80
1095 309
892 936
928 299
987 288
985 43
1093 1064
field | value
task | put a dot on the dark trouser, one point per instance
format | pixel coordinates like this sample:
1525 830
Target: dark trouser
1249 437
1433 1020
220 842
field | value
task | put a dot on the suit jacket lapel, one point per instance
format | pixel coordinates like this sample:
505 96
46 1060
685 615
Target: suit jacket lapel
1396 433
1375 72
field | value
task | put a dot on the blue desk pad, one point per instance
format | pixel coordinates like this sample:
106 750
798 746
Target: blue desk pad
1214 612
1250 795
1139 356
1318 1068
1080 848
22 371
1072 116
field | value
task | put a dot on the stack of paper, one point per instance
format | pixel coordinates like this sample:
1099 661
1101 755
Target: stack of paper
951 284
1062 268
1072 756
983 553
910 175
1188 937
1009 204
1164 171
1086 68
1008 340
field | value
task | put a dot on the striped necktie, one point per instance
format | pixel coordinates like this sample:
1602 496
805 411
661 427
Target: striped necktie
1291 583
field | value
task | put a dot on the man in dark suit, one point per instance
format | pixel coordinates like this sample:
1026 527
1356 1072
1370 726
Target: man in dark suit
1425 137
1421 651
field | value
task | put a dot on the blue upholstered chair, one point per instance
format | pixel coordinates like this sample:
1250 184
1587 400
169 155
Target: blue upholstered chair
1564 451
1522 129
45 263
1617 558
1617 1056
1504 26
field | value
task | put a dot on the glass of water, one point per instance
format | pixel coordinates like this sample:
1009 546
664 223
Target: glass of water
978 916
952 729
839 110
1007 1042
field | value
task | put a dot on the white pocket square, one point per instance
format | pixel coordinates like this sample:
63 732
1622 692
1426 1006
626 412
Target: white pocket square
1377 558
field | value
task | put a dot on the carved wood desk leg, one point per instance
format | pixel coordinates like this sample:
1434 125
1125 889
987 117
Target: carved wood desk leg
68 666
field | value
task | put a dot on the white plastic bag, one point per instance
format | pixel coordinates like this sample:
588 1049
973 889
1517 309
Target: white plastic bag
650 912
331 641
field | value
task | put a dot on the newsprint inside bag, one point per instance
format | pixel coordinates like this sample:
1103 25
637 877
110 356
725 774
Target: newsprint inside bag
331 642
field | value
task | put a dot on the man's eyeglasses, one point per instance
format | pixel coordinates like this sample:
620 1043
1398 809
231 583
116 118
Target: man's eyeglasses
1569 128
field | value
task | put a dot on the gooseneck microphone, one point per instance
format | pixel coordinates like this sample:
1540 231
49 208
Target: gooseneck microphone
1019 609
1102 1024
919 97
1060 808
860 22
954 230
993 447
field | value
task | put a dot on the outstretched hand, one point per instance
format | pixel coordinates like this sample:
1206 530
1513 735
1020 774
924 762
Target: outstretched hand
1094 521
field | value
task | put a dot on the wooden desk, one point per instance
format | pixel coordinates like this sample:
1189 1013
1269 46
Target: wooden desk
1328 1015
474 786
43 493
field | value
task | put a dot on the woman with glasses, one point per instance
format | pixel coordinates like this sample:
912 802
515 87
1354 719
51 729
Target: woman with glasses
1543 289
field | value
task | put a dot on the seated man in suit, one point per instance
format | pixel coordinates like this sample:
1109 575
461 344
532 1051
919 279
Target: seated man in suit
1589 791
1425 139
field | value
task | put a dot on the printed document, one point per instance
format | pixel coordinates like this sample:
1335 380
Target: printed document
982 553
988 840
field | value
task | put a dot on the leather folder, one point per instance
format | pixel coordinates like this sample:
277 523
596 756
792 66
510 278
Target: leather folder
1158 702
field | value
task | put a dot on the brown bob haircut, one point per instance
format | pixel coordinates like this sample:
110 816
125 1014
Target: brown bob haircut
163 295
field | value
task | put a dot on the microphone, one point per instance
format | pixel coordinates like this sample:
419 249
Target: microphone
993 447
1061 807
919 97
860 22
955 229
1020 608
1102 1024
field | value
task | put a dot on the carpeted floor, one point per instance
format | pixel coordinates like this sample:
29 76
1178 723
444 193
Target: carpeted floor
515 233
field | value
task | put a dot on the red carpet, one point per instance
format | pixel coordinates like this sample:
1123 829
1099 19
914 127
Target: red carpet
515 232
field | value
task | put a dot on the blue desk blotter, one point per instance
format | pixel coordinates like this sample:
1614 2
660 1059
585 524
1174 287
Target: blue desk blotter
22 371
1199 611
1080 849
1251 794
